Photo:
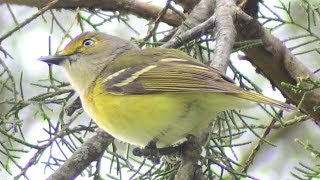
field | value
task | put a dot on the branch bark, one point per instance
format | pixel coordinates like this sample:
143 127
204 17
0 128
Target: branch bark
190 34
140 9
226 34
201 12
91 150
189 170
277 63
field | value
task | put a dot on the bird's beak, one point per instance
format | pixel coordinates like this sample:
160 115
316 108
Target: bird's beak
54 59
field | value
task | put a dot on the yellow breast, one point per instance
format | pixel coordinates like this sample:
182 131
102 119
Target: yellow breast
164 118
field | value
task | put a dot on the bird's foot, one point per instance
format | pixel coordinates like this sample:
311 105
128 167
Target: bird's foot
150 152
153 153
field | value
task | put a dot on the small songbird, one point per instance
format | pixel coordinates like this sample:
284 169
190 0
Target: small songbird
147 95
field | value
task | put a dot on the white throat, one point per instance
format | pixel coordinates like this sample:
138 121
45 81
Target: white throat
80 76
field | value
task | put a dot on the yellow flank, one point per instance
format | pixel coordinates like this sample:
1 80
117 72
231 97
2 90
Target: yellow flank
165 118
134 76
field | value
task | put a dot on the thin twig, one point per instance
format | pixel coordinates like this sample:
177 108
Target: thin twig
156 22
6 54
33 160
257 148
28 20
89 151
12 14
67 32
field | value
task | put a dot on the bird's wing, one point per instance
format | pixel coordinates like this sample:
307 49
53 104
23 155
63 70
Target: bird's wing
178 75
169 75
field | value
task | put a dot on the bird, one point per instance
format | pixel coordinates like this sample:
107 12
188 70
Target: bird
156 94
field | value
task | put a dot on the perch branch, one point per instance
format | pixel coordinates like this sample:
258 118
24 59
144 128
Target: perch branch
140 9
91 150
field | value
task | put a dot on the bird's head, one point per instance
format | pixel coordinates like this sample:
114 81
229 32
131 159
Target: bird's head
85 57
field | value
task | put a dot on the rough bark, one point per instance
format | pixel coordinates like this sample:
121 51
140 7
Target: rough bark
91 150
277 63
144 10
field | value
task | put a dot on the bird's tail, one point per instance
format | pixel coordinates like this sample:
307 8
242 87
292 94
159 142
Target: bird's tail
255 97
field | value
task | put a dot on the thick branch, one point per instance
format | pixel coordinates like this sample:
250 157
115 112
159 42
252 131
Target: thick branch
90 151
144 10
187 5
191 34
189 157
277 63
201 12
226 34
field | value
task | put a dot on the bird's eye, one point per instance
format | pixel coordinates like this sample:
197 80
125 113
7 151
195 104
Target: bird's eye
88 42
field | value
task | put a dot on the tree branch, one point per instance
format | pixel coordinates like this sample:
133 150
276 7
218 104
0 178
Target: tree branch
190 155
43 9
226 33
277 63
191 34
201 12
140 9
91 150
